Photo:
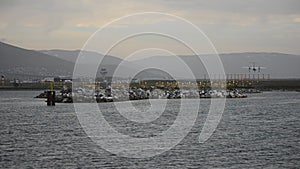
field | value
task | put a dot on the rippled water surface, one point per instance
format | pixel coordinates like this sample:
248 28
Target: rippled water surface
261 131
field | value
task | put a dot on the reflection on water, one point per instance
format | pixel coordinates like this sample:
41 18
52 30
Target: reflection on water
259 131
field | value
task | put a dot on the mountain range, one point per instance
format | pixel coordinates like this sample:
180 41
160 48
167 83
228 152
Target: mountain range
16 62
278 65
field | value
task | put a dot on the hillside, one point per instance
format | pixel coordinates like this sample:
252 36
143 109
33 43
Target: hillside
278 65
17 61
22 63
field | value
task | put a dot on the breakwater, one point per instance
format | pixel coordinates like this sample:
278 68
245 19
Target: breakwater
272 84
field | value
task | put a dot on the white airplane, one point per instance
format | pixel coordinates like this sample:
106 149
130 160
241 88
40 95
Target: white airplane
253 67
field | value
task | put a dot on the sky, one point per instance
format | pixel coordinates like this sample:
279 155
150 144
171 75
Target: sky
231 25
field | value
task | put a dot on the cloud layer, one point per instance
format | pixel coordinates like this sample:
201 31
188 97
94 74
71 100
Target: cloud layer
233 25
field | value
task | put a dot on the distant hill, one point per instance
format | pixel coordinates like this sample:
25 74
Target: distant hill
72 55
18 62
278 65
22 63
110 63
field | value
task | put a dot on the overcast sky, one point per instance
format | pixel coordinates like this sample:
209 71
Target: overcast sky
232 25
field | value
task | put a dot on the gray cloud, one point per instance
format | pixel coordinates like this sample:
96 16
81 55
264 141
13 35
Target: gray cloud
56 13
255 7
47 23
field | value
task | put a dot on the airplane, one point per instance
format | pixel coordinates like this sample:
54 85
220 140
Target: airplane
253 67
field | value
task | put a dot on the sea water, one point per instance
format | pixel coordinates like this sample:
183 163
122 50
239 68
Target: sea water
261 131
